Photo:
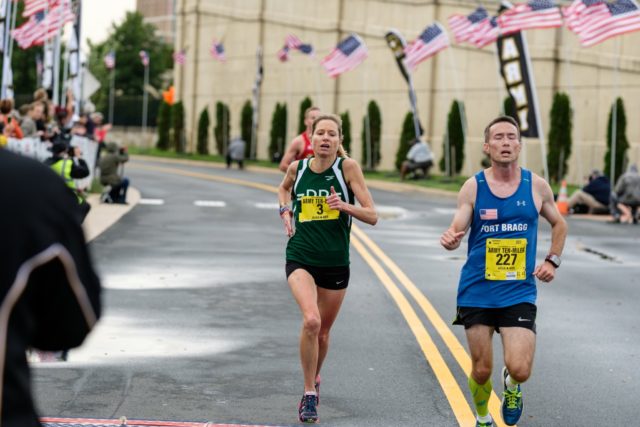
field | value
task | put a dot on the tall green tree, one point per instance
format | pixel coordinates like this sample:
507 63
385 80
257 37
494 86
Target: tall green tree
177 127
559 137
622 143
346 131
164 126
127 39
455 135
371 125
278 132
203 132
306 103
221 131
408 134
509 108
245 127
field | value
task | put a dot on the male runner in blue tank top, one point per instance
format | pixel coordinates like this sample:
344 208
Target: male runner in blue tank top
497 289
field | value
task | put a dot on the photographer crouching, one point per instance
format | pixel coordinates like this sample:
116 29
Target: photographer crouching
109 164
68 164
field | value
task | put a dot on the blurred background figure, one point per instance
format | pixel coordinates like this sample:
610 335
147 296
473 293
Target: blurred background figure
10 126
594 197
419 158
625 199
111 176
235 153
49 292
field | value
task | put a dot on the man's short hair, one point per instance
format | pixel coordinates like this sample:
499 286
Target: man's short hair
500 119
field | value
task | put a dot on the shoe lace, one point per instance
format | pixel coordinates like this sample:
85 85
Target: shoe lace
309 403
513 398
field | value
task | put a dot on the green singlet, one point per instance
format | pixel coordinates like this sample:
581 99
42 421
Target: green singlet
321 238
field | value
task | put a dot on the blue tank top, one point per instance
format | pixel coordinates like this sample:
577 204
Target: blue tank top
502 248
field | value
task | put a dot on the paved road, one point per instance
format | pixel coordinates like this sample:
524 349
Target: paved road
199 324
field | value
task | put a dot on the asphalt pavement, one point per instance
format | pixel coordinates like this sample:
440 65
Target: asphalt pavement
199 324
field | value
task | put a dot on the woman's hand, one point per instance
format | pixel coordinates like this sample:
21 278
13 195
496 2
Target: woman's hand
286 218
334 201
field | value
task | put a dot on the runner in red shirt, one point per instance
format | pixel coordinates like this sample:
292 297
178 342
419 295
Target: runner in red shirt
300 147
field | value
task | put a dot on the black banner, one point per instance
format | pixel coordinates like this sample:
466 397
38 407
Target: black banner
514 67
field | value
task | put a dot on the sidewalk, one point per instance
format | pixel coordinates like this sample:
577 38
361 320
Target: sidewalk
104 215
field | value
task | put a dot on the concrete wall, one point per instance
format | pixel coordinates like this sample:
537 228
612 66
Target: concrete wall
592 77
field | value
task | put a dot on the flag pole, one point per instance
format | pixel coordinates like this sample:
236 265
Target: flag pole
111 93
534 92
614 118
256 103
145 100
6 66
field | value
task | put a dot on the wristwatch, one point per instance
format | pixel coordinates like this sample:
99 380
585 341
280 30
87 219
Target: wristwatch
554 260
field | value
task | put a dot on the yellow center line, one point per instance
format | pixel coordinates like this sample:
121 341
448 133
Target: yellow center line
449 385
451 341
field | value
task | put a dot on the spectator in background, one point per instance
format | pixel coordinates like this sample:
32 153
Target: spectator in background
11 126
625 199
593 197
418 157
101 129
235 153
68 164
109 164
49 291
29 123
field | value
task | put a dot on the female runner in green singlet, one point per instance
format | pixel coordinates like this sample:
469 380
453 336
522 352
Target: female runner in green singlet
323 189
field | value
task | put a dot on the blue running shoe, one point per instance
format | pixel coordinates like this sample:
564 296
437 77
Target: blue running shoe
481 424
511 402
307 412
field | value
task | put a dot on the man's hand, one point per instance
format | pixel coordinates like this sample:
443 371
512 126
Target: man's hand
545 272
451 239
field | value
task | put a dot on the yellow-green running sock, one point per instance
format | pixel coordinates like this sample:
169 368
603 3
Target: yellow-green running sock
480 394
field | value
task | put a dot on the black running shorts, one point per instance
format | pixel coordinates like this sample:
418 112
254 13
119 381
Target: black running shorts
333 278
520 315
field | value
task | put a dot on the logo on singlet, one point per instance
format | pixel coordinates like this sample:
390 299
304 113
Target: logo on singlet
521 203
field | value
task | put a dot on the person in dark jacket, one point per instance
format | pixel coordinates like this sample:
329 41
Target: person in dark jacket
109 164
594 196
49 291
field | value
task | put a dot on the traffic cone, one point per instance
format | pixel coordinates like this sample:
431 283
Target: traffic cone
563 201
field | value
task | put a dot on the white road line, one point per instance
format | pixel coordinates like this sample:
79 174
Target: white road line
271 206
151 202
210 203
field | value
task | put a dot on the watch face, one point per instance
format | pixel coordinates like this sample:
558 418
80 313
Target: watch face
554 259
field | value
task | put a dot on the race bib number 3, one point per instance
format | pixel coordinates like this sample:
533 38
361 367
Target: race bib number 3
506 259
316 209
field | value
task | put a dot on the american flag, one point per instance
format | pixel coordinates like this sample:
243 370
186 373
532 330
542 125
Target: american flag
144 58
349 53
293 42
432 40
530 15
180 57
110 60
41 27
488 214
486 33
31 7
217 51
579 11
464 26
283 54
608 20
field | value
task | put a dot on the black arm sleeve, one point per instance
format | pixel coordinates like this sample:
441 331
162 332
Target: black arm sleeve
79 169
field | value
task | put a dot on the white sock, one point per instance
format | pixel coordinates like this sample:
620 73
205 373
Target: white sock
487 418
511 383
310 393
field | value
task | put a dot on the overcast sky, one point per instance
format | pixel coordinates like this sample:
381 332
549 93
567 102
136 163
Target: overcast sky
98 15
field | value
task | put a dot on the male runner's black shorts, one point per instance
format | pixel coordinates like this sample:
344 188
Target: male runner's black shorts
522 315
333 278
